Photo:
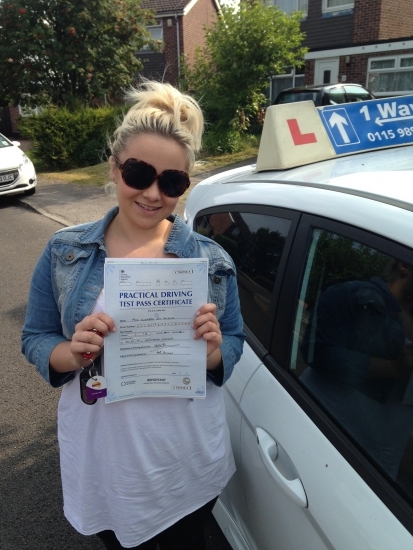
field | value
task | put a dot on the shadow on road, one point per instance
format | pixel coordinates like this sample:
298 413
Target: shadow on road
31 503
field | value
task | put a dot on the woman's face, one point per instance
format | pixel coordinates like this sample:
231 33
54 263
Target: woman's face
149 207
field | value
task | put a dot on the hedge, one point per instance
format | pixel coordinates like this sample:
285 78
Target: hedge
63 139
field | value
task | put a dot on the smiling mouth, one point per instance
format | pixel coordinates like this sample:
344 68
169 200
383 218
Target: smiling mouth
148 208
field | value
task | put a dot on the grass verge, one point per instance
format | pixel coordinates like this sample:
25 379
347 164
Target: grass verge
98 175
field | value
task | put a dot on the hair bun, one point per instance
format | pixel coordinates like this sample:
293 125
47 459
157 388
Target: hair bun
162 99
159 108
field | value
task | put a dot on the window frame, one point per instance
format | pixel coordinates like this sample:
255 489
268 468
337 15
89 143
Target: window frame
261 347
29 111
293 75
396 69
157 25
349 5
278 360
275 3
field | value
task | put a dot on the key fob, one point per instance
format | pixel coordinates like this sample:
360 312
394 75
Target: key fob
84 376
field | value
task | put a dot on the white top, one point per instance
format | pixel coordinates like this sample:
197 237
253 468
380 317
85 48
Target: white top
136 467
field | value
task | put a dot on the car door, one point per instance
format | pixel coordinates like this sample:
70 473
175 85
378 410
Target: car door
258 238
313 468
345 437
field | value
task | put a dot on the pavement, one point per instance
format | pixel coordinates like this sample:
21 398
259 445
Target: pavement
71 204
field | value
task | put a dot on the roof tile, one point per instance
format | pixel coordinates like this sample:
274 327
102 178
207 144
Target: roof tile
164 5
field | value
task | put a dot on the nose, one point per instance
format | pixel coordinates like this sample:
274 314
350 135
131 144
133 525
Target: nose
152 192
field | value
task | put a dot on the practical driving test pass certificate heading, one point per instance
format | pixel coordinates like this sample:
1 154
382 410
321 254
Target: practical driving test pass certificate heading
153 303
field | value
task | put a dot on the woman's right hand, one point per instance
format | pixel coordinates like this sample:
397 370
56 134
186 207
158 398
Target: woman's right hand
89 336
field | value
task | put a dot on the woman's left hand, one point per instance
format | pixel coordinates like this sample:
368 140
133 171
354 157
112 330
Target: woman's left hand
206 326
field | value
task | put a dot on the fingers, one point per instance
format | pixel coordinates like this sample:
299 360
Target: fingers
207 326
100 321
205 320
89 334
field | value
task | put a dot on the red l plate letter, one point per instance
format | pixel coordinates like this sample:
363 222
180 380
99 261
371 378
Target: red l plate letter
298 137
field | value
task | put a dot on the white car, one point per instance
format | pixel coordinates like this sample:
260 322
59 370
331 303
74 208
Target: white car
320 406
17 173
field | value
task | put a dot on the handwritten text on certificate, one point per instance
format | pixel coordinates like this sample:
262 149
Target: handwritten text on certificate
153 303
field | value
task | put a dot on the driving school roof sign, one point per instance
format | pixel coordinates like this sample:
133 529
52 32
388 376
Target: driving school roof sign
295 134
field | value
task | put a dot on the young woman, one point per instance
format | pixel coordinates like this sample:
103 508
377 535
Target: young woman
145 471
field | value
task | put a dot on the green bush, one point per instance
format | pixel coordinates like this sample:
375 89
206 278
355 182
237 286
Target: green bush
63 139
218 141
93 152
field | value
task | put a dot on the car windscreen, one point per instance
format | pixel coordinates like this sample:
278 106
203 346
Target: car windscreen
4 142
354 93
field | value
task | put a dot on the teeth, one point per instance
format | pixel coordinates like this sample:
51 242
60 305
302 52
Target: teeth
151 209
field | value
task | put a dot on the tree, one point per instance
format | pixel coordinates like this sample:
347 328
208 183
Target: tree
68 52
244 48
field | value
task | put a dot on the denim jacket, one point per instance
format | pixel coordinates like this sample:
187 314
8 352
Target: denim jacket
68 279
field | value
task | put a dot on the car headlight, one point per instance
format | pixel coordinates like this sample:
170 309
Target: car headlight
24 160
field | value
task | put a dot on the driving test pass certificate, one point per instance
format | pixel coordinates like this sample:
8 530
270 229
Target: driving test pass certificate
153 303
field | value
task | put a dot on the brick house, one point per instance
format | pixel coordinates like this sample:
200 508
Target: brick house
8 121
368 42
180 25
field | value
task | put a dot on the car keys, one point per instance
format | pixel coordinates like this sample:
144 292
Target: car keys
92 384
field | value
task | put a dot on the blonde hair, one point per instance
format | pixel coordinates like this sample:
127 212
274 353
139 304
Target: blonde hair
159 108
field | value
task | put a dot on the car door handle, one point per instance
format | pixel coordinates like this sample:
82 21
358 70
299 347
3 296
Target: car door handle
293 488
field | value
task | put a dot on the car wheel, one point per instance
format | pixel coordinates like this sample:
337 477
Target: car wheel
31 191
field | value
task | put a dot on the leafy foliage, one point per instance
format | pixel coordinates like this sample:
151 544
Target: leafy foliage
68 52
244 48
64 138
338 259
219 140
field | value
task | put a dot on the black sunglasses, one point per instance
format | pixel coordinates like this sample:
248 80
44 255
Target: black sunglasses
140 175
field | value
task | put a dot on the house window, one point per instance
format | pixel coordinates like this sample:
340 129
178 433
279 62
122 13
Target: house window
289 6
156 32
291 79
335 5
327 76
29 111
406 62
389 76
383 64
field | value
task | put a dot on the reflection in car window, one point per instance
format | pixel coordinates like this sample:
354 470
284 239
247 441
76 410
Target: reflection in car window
355 93
306 95
353 347
337 95
255 242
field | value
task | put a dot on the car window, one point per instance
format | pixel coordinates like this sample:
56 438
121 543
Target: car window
337 95
355 93
352 348
255 242
4 142
292 97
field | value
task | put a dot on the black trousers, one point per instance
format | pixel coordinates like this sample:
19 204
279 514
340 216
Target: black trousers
186 534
